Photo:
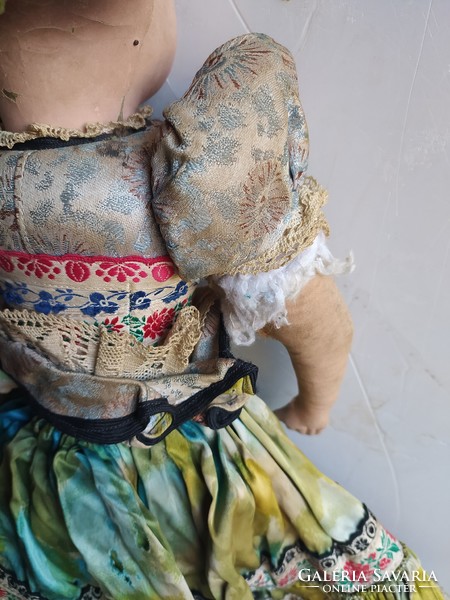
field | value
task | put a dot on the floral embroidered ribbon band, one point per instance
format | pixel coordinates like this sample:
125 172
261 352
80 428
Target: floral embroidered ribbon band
117 387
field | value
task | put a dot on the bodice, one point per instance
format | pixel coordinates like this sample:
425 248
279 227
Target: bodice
89 198
79 238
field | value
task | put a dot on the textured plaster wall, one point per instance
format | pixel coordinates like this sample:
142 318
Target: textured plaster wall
375 83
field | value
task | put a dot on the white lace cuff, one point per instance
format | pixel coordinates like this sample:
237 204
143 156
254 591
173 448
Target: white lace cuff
253 301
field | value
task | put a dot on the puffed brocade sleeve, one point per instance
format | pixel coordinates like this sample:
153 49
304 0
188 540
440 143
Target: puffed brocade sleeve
230 192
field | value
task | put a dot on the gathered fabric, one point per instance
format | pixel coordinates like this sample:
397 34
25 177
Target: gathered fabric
235 513
37 131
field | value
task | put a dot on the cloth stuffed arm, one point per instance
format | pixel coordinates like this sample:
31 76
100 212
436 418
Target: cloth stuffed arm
318 339
300 306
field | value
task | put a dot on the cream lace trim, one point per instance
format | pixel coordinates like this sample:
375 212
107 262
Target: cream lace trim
39 130
78 346
300 234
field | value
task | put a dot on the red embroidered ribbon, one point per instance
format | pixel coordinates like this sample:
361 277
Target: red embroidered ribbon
80 268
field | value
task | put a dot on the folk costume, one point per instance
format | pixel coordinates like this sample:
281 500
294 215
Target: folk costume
136 460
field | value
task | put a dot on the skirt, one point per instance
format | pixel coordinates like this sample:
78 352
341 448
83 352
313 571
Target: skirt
230 514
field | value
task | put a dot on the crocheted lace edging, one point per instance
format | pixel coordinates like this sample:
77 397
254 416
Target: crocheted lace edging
38 130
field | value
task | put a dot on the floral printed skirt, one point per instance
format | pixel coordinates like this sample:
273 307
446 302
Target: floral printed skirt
233 514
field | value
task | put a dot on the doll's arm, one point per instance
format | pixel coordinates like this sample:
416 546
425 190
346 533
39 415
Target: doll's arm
318 339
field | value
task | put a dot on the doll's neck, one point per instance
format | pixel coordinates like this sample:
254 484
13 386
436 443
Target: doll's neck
71 63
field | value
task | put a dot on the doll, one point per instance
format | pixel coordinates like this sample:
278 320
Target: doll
137 460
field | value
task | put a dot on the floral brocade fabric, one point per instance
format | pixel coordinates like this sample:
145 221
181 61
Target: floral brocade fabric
103 243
